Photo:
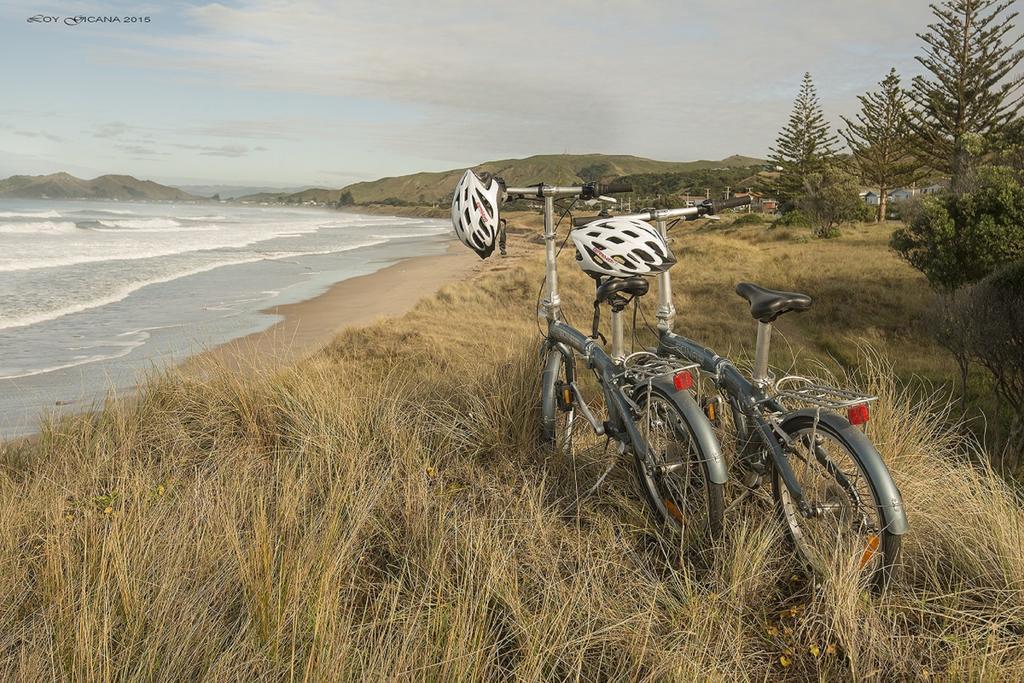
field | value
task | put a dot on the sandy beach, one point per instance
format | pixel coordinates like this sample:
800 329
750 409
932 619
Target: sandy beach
309 325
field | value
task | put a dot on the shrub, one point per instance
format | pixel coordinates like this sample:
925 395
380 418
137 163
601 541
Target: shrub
792 219
749 219
984 324
830 198
956 239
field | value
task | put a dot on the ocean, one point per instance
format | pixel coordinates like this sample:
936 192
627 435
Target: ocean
94 293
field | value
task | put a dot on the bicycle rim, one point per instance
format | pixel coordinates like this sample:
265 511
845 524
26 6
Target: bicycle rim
846 532
679 487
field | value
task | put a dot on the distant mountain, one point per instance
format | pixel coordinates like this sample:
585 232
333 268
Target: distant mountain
428 188
234 191
317 195
66 186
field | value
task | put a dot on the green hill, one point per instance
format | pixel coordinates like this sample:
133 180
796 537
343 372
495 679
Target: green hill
67 186
427 188
317 195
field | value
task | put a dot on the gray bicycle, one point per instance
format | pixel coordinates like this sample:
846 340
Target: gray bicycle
839 503
640 401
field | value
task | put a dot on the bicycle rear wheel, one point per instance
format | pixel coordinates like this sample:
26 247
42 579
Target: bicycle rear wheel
677 482
846 530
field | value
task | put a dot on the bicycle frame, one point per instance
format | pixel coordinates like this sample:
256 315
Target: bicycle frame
757 411
569 341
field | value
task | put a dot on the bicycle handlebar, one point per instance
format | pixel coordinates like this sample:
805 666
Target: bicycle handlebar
731 203
706 208
614 187
585 191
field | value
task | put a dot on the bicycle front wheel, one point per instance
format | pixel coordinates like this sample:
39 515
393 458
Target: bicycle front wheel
557 406
677 481
846 528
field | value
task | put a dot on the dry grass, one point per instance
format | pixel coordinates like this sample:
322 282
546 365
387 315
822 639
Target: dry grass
380 512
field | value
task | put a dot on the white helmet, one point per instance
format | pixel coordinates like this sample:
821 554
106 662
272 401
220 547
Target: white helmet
475 212
621 247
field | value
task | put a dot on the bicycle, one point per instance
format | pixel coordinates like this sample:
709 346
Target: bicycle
650 413
831 488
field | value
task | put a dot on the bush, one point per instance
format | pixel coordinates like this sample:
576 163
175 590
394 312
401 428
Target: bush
749 219
984 324
831 198
957 239
792 219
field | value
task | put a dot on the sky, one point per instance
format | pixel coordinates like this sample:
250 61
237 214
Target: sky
328 93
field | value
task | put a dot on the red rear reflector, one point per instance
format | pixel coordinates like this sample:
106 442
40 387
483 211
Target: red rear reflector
858 414
682 380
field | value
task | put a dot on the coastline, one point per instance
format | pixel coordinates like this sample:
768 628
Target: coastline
304 327
308 325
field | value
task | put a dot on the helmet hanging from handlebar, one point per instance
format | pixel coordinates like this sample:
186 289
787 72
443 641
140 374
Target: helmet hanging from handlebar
475 212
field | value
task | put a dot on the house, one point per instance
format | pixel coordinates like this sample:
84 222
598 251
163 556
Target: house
870 197
758 202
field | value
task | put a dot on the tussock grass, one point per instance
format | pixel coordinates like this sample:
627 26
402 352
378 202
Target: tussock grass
380 512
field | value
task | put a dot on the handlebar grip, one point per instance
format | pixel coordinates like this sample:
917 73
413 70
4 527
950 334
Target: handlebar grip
584 220
615 187
717 206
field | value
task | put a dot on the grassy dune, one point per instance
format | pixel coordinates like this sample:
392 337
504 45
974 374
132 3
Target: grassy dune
380 511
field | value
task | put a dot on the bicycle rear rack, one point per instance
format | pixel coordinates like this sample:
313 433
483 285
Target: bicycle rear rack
644 367
804 390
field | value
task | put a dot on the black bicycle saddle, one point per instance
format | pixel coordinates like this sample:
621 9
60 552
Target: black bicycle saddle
768 304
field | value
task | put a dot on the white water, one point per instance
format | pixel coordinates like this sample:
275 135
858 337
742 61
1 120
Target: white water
115 285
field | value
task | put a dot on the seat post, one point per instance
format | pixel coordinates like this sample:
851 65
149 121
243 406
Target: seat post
618 335
666 312
764 338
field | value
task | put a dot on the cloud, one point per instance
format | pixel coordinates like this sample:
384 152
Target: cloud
139 151
222 150
39 134
264 130
111 130
662 78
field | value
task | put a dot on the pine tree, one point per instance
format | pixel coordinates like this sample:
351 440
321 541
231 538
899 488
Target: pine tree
805 145
970 101
881 141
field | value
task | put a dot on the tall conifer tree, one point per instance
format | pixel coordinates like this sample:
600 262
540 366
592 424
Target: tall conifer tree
805 145
968 101
881 141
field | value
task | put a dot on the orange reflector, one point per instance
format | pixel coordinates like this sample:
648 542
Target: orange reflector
673 510
869 551
566 395
710 410
858 414
682 380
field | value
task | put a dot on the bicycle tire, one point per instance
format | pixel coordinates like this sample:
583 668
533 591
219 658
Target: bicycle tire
556 418
879 550
655 485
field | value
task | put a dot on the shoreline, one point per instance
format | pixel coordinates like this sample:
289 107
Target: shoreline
309 325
